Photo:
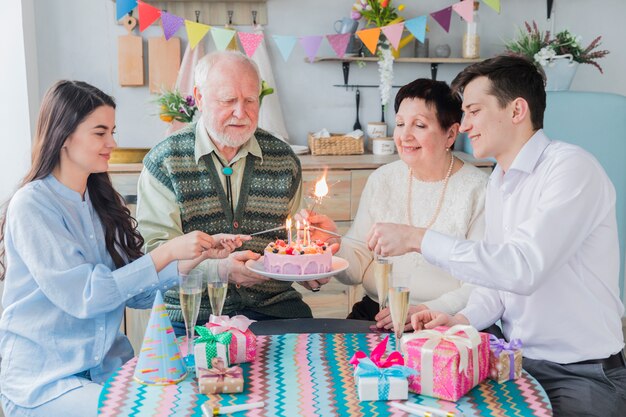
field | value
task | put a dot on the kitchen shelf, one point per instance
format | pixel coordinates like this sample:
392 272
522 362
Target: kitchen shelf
434 62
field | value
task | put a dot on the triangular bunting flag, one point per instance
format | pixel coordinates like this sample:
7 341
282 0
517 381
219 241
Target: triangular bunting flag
285 45
494 4
250 41
160 361
369 38
171 23
443 17
393 33
195 32
417 27
339 42
147 15
222 37
465 9
124 7
311 44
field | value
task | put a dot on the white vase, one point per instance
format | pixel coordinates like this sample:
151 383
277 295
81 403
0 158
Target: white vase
560 71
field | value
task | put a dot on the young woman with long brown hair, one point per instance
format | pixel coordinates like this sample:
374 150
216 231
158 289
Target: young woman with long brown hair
73 262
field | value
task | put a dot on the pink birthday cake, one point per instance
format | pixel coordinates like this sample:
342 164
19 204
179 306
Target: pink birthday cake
297 258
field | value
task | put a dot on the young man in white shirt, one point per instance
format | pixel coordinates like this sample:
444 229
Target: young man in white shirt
549 265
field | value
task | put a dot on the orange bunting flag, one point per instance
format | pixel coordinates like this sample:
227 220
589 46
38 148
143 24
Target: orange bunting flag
369 37
195 32
465 9
147 15
250 41
393 33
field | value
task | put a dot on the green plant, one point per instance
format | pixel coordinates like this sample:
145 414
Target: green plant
542 48
378 13
173 106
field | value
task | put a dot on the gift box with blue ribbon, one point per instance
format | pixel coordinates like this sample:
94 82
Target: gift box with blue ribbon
379 379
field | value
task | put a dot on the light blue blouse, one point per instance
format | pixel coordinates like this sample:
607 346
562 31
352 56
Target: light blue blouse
63 298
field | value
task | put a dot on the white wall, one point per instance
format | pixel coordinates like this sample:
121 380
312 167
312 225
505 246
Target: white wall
78 39
18 89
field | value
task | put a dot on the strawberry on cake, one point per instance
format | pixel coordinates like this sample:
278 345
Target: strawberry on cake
297 258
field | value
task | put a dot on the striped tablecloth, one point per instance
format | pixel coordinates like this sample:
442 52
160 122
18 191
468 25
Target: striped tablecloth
308 375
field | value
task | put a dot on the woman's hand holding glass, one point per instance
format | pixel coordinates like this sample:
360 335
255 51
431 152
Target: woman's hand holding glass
383 318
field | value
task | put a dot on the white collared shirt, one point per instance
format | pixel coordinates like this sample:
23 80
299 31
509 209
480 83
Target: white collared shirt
550 259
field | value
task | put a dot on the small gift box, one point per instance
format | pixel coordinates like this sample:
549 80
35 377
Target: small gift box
242 347
382 384
219 379
379 379
208 346
505 359
451 361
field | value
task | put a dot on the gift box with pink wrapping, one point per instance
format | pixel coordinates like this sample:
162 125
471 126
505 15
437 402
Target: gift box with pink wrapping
451 361
242 346
505 359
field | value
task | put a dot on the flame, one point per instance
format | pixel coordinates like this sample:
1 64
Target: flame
321 187
288 223
297 224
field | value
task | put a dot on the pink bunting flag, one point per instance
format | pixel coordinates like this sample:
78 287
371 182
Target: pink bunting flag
147 15
171 23
311 44
250 41
465 9
443 17
339 42
393 33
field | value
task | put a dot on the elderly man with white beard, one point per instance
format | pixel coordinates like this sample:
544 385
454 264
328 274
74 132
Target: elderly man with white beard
223 174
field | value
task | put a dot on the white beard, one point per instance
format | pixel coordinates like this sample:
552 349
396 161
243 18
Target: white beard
227 140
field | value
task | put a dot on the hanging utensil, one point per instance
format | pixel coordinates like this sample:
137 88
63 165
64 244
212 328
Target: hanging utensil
357 124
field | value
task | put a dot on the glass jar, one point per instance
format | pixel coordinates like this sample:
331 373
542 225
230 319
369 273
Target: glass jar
471 38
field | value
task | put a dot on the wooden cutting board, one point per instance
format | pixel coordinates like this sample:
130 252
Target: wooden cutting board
163 63
130 56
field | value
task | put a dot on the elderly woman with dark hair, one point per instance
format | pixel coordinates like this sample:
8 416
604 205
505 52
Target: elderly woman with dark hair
428 187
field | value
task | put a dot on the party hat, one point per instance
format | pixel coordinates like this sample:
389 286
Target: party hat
160 361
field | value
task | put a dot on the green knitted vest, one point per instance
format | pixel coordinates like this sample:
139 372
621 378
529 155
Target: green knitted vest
266 190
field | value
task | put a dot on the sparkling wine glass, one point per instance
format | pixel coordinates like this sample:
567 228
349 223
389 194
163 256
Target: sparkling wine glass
217 287
382 272
398 304
190 292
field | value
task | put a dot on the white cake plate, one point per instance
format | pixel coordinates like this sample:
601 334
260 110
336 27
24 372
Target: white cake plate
339 264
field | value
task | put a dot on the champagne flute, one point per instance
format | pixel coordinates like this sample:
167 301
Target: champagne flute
190 293
399 305
217 287
382 272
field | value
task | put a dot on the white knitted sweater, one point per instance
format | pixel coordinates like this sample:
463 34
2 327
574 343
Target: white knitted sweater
384 199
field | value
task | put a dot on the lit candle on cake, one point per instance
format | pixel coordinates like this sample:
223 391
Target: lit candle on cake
297 232
307 236
288 226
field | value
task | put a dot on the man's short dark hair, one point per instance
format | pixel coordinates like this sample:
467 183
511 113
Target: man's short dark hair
511 76
436 94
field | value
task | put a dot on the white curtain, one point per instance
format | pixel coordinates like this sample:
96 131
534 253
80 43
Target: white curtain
271 114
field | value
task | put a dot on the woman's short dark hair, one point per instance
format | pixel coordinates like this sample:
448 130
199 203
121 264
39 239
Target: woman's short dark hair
436 94
66 105
511 77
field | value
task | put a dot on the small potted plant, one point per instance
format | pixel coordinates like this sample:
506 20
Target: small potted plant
558 55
